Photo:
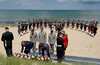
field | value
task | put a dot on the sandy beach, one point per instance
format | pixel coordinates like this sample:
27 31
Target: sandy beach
80 44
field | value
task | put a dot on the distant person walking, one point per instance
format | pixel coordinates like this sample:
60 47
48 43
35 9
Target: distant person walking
7 38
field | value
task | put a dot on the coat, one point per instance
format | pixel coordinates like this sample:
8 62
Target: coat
7 38
33 37
42 37
46 47
28 45
65 38
52 38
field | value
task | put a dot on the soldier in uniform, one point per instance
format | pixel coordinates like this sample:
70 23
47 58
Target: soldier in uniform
81 25
56 26
26 27
22 27
42 36
63 24
68 23
28 45
37 22
7 38
77 25
73 24
19 29
45 23
33 24
60 48
30 26
51 40
33 38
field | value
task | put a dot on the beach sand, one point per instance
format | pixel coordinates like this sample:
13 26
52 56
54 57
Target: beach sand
80 44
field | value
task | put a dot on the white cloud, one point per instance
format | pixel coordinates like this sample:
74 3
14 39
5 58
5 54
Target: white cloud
61 0
5 0
78 0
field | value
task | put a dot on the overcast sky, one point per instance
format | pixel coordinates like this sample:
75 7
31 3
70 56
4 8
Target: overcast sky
50 4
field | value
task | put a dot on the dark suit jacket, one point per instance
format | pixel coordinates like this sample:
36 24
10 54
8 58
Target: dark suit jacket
28 45
8 37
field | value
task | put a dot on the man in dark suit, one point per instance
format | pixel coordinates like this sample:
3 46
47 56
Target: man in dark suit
44 46
7 38
28 45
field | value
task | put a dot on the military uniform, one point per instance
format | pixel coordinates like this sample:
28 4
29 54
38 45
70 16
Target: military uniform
60 49
51 41
7 38
33 38
42 37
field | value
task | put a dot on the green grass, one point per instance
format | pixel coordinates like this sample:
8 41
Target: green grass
17 61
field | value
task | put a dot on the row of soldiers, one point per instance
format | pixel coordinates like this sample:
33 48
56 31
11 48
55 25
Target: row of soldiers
92 26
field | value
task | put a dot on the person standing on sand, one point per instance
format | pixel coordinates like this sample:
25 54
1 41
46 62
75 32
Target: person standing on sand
26 27
95 30
33 38
81 25
60 48
22 28
89 28
77 25
73 24
41 23
68 23
51 25
30 26
56 26
42 36
59 28
51 40
65 39
85 25
63 24
28 45
7 38
45 23
19 29
37 22
33 24
92 28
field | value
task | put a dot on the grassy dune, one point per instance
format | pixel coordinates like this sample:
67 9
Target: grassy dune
17 61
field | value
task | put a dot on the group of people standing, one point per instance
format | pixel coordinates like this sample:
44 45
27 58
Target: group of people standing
92 26
61 38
